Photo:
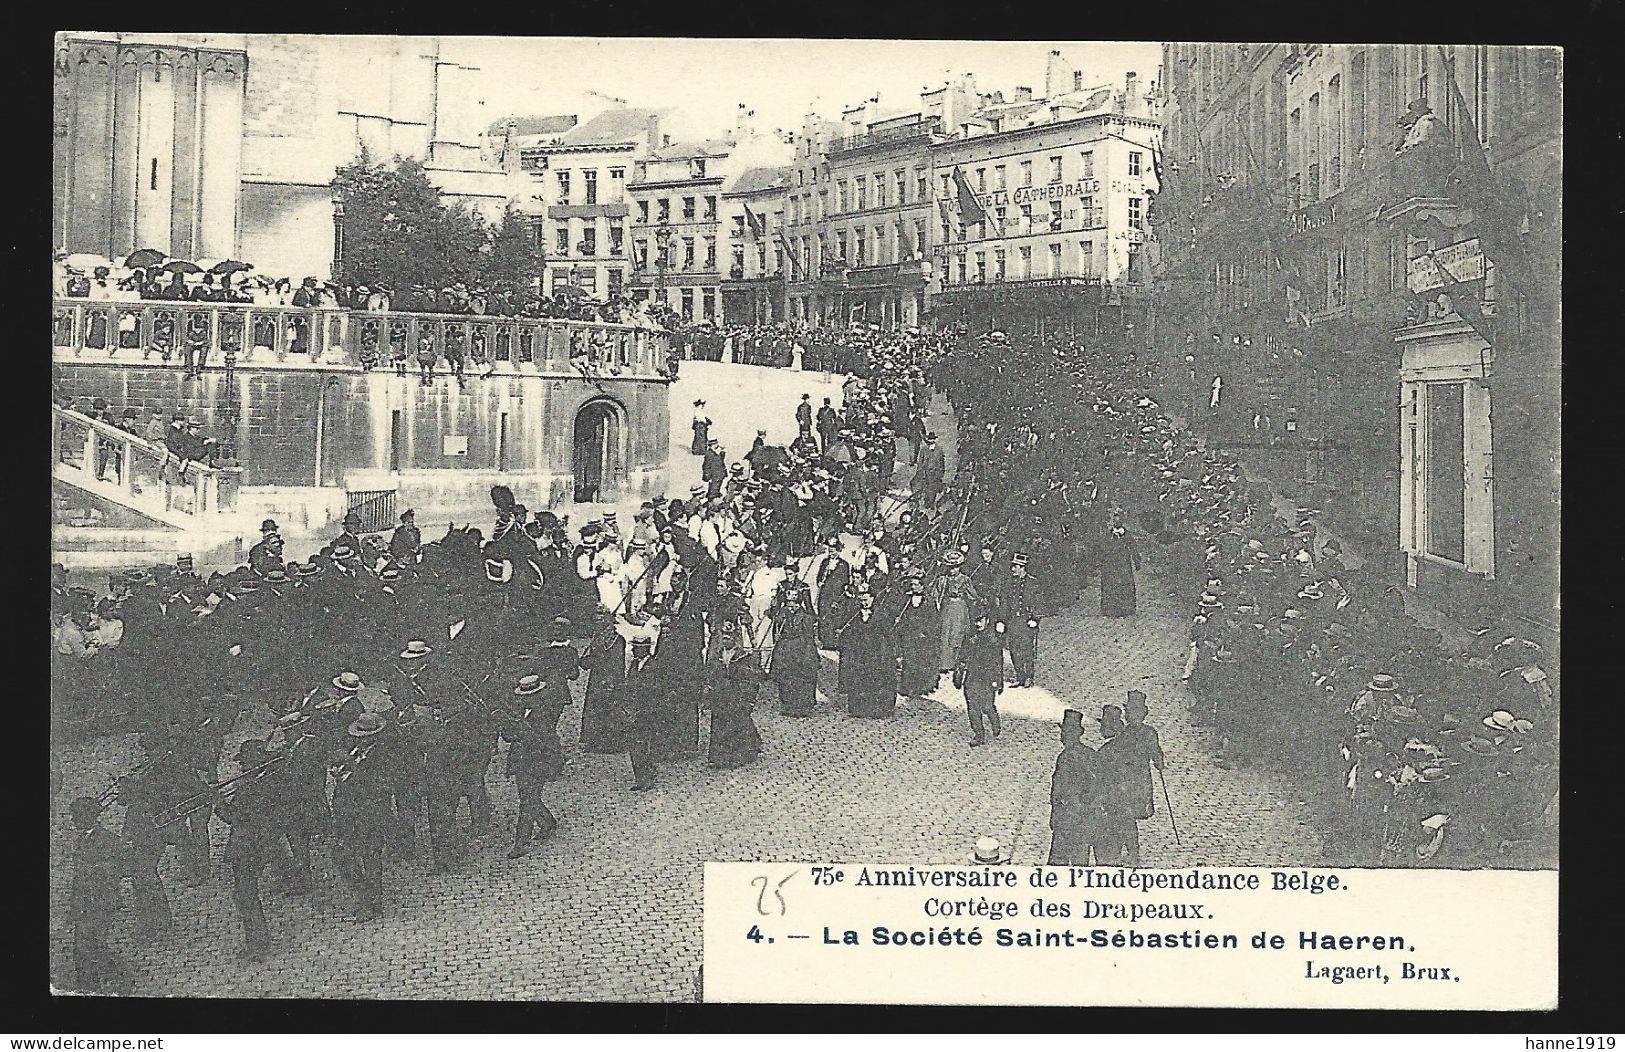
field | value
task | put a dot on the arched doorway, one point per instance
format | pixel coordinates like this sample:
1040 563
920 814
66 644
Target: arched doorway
596 455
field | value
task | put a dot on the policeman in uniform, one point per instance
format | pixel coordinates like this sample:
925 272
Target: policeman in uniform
1020 603
981 675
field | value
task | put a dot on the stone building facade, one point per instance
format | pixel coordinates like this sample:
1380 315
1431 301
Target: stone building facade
1363 243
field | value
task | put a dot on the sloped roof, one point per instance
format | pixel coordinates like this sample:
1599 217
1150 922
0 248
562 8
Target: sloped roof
617 125
534 125
755 180
702 148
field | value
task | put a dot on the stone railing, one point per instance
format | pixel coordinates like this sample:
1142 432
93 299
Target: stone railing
147 478
206 333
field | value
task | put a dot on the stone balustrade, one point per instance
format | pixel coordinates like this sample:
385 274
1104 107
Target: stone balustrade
147 477
178 331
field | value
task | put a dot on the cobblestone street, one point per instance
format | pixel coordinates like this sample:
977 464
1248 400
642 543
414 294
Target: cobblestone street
609 908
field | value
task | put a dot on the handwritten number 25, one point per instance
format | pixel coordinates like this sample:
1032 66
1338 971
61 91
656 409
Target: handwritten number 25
761 896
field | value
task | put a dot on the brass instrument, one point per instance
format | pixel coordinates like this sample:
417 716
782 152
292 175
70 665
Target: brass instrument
224 790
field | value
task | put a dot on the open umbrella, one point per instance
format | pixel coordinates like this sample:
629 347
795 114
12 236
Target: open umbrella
181 266
230 266
146 257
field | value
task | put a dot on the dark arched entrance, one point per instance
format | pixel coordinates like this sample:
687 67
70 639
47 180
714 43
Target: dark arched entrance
596 456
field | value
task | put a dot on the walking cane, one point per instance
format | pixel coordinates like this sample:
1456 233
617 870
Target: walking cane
1168 806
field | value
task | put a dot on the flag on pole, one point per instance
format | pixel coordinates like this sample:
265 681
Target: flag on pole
758 228
970 209
790 254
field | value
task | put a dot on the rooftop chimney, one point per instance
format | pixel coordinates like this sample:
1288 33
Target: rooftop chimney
1024 95
652 128
1058 76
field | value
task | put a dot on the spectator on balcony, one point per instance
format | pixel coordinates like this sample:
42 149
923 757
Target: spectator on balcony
204 291
176 289
101 287
308 295
378 299
426 357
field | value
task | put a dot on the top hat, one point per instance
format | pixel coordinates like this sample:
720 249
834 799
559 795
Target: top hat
529 685
348 681
367 724
415 649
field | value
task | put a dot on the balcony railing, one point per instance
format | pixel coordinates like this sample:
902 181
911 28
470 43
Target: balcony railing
145 477
208 333
886 136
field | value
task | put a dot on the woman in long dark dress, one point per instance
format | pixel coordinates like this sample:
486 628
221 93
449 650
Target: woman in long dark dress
702 430
732 680
603 730
794 665
1118 561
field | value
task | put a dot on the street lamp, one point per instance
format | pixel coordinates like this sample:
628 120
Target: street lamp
338 235
662 261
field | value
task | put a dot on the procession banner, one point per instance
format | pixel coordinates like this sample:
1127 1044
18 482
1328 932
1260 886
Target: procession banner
1063 935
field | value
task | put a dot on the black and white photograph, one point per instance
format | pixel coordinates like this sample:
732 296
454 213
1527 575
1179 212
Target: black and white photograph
494 477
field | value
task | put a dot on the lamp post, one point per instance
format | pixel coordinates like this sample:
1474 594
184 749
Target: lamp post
338 235
662 261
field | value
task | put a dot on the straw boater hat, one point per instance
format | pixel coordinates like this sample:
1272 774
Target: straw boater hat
498 571
1381 682
529 685
954 558
348 681
989 852
367 724
415 649
276 577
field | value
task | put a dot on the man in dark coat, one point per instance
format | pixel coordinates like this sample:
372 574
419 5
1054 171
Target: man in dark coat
100 861
1074 805
535 758
930 470
834 574
794 662
253 844
868 662
804 414
640 701
363 817
406 542
1020 607
732 682
714 468
829 421
1119 841
981 674
917 632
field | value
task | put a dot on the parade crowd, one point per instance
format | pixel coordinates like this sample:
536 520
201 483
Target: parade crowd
387 674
